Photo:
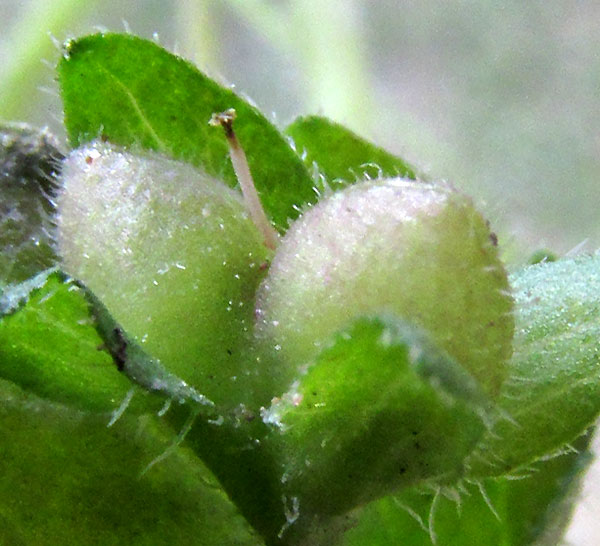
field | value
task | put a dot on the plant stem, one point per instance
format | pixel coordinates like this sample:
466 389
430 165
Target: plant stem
199 33
327 38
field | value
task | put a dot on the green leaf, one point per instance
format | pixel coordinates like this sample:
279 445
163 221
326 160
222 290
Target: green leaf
544 502
67 479
134 93
232 447
495 512
381 409
341 156
29 161
552 394
49 346
57 340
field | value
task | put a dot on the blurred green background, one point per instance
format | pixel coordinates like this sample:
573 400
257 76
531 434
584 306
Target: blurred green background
500 98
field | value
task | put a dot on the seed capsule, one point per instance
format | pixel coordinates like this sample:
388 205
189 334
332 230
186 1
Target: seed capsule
173 255
418 250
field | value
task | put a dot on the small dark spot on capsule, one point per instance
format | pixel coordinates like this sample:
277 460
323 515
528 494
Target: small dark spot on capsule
229 352
89 159
494 238
263 266
402 470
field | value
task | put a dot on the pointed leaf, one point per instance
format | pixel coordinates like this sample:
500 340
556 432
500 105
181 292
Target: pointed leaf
342 156
379 410
134 93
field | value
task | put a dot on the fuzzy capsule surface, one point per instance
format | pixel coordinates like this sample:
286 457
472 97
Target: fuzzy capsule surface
173 255
418 250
